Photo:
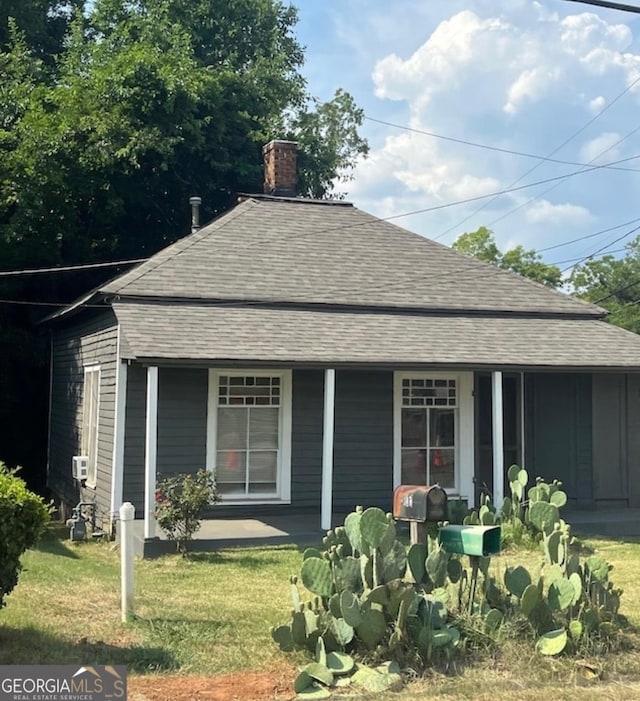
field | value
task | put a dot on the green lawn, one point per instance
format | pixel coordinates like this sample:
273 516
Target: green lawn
211 614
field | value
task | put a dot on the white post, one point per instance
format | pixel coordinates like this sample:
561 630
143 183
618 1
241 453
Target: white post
150 453
498 440
327 448
127 514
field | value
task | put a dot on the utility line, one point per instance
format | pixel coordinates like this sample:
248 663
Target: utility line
542 160
557 184
68 268
511 152
609 5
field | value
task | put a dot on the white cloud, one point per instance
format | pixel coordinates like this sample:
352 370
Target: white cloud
514 74
601 149
597 104
532 84
566 214
442 59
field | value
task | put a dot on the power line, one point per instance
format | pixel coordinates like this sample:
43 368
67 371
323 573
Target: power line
609 5
561 180
587 236
613 293
68 268
511 152
551 153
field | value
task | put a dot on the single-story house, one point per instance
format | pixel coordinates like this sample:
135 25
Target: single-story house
315 357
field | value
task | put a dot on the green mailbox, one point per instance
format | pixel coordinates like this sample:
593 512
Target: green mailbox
477 541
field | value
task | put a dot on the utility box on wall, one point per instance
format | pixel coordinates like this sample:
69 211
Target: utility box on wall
80 467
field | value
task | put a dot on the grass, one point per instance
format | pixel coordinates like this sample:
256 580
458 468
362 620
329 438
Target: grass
211 614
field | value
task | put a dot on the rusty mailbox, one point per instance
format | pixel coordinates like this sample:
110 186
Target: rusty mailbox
420 503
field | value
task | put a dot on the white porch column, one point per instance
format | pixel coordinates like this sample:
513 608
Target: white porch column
150 452
498 439
327 448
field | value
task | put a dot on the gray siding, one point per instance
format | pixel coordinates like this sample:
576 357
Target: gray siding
363 440
558 443
80 344
633 438
182 420
616 439
133 478
306 440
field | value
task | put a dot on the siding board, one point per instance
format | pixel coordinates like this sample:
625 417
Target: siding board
610 458
363 440
558 441
74 347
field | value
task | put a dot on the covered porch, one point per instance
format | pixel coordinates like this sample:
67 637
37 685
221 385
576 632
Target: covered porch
303 531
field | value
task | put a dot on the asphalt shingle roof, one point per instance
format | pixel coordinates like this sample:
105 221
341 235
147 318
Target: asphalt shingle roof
205 333
331 253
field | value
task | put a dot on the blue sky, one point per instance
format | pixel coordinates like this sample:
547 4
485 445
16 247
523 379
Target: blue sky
515 74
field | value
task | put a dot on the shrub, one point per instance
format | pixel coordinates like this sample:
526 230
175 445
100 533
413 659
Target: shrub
180 502
23 516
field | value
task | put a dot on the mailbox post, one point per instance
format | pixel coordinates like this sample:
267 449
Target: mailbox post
420 504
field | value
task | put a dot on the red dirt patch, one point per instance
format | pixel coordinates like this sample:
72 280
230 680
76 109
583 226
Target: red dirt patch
240 686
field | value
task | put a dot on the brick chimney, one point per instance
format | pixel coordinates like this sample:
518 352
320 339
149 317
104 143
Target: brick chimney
280 168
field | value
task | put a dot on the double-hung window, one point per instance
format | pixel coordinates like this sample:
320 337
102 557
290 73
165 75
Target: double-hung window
429 430
251 435
90 410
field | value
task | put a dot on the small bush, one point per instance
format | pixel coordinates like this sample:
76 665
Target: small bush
23 516
180 502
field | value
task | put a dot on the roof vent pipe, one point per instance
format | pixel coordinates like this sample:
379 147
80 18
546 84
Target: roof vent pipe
195 203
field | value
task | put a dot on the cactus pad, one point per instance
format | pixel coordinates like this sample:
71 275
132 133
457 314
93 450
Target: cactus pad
544 516
394 563
347 574
517 579
372 628
558 498
342 631
416 560
320 673
350 609
282 636
436 565
340 662
553 642
352 529
529 599
561 595
373 526
316 576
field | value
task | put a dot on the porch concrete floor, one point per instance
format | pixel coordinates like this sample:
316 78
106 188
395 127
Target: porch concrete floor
238 532
305 530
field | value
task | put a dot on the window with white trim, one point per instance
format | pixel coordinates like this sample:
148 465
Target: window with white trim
428 430
249 426
90 412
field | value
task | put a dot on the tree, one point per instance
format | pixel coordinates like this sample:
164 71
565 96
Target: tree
107 131
613 283
43 22
528 263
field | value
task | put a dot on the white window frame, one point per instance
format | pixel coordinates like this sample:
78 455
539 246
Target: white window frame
283 474
464 428
86 449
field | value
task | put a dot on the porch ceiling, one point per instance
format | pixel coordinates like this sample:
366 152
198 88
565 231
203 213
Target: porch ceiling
201 333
